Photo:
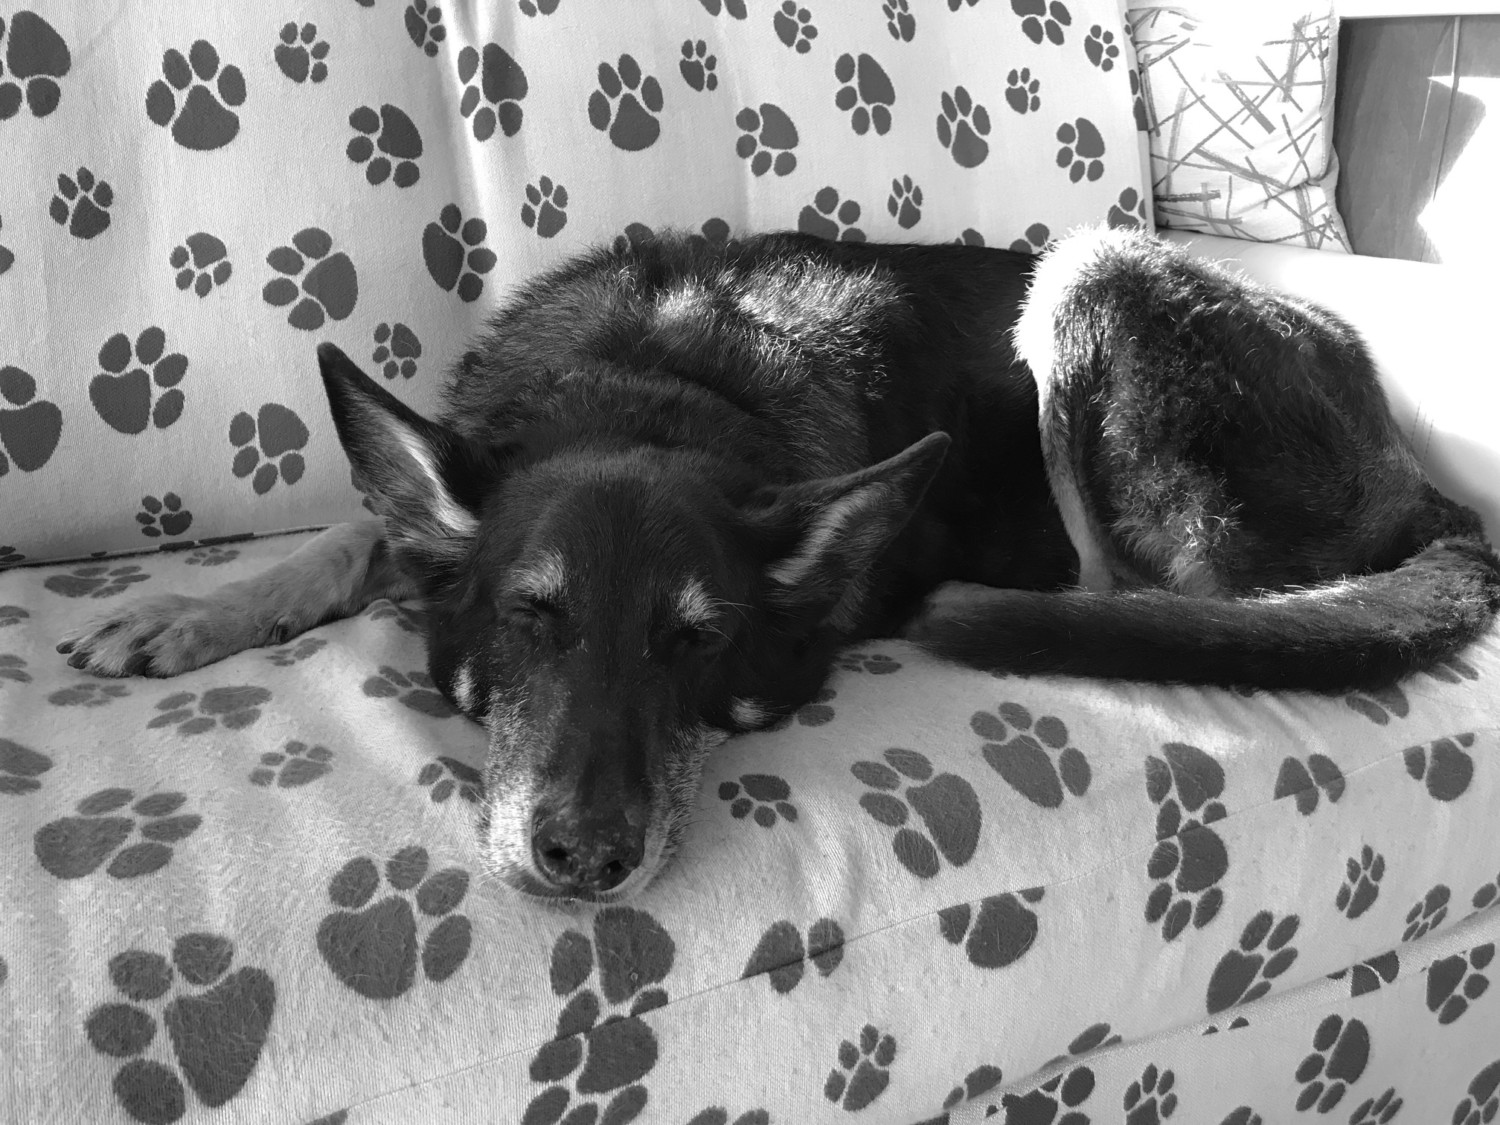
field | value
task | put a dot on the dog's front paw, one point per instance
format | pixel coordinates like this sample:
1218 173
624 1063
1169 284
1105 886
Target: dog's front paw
163 635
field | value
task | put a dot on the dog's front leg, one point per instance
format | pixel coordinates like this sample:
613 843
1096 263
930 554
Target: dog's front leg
336 574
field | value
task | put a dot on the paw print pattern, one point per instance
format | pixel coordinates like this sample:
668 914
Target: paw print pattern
1482 1100
698 66
375 949
397 140
76 846
268 445
533 8
829 217
946 805
98 581
899 21
1142 119
301 54
495 99
1128 211
1443 766
12 615
9 556
814 714
7 257
1304 783
876 664
1100 48
215 1036
445 776
328 290
1453 983
1486 896
865 93
782 957
794 27
294 765
1377 1111
1246 973
20 766
1341 1050
1014 748
125 394
763 132
36 56
1371 975
408 620
763 797
962 126
1037 238
1380 706
424 24
1042 20
397 350
1361 883
212 556
30 429
1082 147
1023 93
1190 859
82 204
625 105
1066 1091
201 263
998 933
233 708
88 694
734 8
455 253
545 209
197 97
165 516
905 202
603 1060
302 649
863 1070
1150 1100
13 668
413 690
1427 914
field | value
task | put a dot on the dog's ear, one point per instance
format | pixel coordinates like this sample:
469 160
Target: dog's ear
824 536
423 480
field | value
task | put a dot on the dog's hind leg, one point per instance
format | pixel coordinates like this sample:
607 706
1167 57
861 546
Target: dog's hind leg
336 574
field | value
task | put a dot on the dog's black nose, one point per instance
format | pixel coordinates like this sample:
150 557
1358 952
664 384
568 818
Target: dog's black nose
594 854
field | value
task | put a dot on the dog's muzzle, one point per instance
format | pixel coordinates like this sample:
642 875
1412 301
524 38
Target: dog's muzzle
588 854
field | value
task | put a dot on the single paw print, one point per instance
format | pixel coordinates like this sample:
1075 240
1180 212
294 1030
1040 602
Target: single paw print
899 21
200 263
12 615
1246 973
36 56
1453 983
1066 1090
763 132
413 690
1190 859
296 764
876 664
165 516
905 202
625 105
1128 211
215 1035
1040 19
763 797
863 1070
300 53
195 95
296 652
445 776
1150 1101
397 140
1427 914
999 933
1304 783
1482 1102
1381 705
1443 766
1377 1111
698 66
233 708
29 433
1341 1050
88 694
1100 48
962 126
829 217
1036 239
76 846
374 949
1014 749
545 209
455 253
946 805
96 581
212 556
397 350
329 289
267 445
627 960
125 393
1082 146
1361 883
20 766
866 93
1023 93
794 27
424 24
495 99
782 957
1371 975
82 204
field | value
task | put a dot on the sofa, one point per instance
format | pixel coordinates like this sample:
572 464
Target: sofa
253 893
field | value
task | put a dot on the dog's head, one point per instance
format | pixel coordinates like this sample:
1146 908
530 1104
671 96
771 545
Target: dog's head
610 614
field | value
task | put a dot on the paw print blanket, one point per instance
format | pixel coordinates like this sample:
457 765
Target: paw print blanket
253 893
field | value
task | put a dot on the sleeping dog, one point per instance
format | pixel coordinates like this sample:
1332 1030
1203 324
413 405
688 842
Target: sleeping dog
672 480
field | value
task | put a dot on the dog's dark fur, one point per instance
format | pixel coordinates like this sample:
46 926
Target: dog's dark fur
673 480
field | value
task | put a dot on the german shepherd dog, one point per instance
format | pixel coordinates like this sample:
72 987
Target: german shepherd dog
673 479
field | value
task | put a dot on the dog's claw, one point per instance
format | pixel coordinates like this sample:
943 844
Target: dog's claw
138 665
79 659
65 647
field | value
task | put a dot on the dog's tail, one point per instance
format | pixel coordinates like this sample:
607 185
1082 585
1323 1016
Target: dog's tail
1359 633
